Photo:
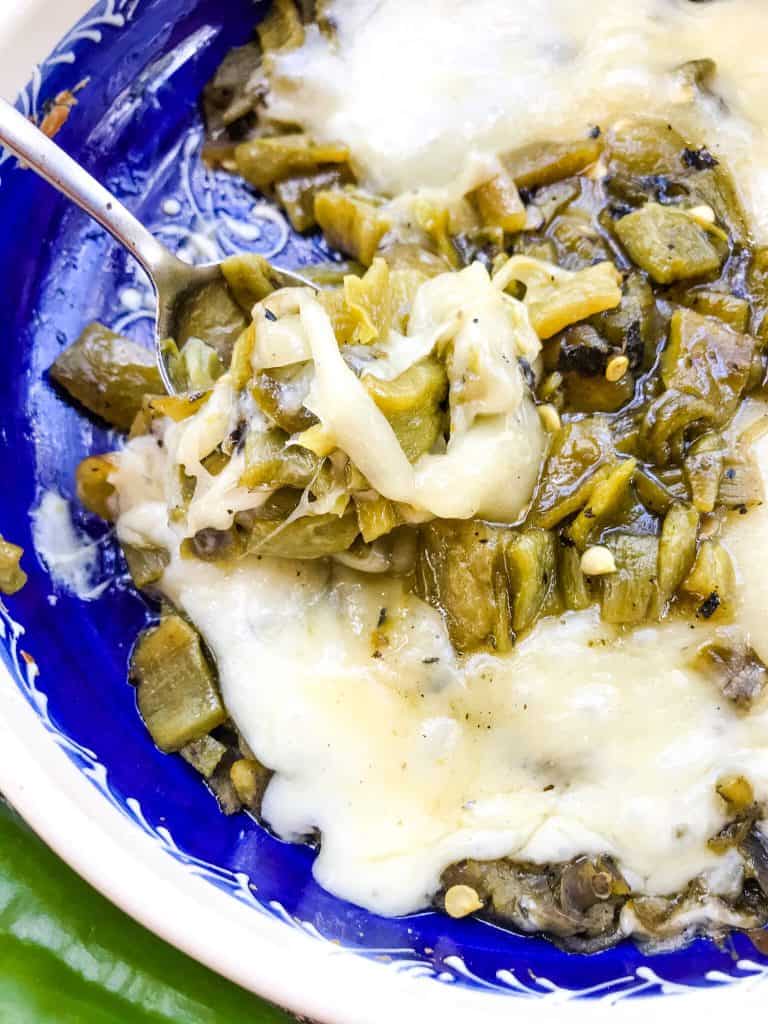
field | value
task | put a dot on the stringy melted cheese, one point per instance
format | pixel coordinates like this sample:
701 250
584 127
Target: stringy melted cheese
414 88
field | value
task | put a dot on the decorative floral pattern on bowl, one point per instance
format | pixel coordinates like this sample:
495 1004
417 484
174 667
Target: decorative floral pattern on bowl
136 125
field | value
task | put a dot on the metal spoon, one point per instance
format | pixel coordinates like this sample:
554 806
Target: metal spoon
174 281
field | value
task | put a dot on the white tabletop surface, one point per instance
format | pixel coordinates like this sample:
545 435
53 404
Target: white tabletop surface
28 31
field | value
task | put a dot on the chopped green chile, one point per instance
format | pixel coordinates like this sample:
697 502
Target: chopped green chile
531 559
146 565
707 359
108 374
711 583
735 669
175 407
631 594
737 792
668 244
250 279
202 365
177 691
461 572
705 367
729 308
653 492
250 779
296 194
231 98
542 163
369 303
281 28
677 548
264 161
574 588
498 202
607 496
270 461
94 490
411 403
351 222
579 450
703 467
305 538
644 148
12 576
204 755
741 482
583 393
376 516
277 398
577 901
211 314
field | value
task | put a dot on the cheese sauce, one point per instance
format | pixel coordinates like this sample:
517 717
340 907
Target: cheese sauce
413 88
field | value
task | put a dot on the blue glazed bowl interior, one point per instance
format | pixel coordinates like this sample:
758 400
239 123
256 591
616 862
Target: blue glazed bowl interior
137 127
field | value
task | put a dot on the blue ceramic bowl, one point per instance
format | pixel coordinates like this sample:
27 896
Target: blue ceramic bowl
106 788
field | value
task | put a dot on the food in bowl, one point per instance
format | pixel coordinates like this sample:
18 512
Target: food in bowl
459 548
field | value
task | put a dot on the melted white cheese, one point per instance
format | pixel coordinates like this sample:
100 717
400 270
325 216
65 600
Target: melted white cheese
71 558
580 741
413 88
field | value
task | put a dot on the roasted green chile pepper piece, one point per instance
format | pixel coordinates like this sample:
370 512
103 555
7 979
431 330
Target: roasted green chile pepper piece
667 243
12 576
281 28
645 148
531 559
277 398
542 163
606 498
703 467
574 589
461 572
376 516
732 309
711 583
250 278
176 687
631 594
735 668
411 403
108 374
498 202
146 565
296 194
351 222
94 490
578 452
264 161
304 538
211 314
677 548
204 755
707 359
705 367
271 462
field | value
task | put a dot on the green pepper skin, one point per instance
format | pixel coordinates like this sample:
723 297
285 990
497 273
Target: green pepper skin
108 374
68 956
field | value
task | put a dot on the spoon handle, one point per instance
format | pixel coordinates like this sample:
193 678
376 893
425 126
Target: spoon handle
42 154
